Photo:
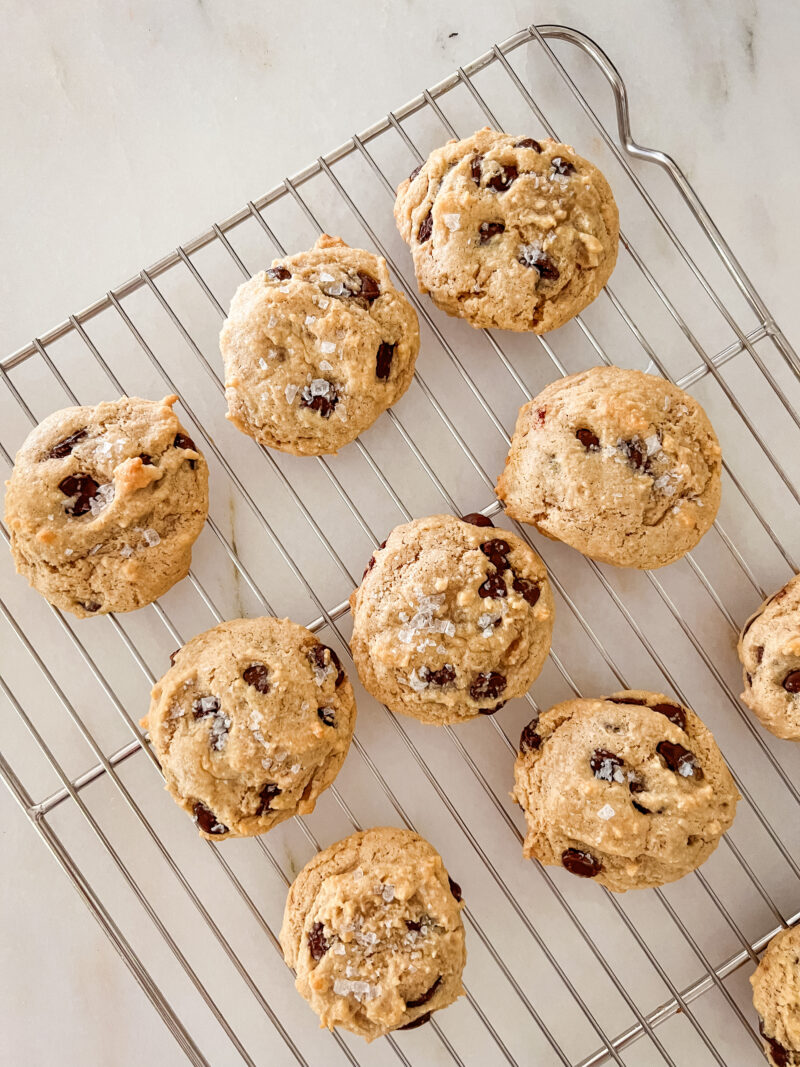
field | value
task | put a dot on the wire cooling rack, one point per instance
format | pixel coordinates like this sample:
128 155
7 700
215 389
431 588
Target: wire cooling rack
560 971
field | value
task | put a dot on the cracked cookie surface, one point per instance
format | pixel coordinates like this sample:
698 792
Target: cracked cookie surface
776 998
621 465
316 348
373 929
769 650
509 232
250 724
629 790
104 504
451 619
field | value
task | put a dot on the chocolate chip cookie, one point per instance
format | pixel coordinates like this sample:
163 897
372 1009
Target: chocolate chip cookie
373 929
104 504
250 724
769 649
509 232
316 347
776 996
621 465
630 790
451 619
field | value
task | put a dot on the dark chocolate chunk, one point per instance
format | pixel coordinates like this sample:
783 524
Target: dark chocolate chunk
529 142
83 487
477 519
584 864
589 440
257 675
426 996
494 586
680 760
425 229
65 447
278 273
673 712
207 820
561 165
526 588
327 716
488 685
488 230
267 795
318 945
383 360
529 739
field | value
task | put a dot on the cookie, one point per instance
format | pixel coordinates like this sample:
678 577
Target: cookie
104 504
451 620
250 724
630 790
316 348
769 650
373 930
509 232
621 465
776 996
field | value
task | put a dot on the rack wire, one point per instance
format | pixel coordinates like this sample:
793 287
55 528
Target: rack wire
559 971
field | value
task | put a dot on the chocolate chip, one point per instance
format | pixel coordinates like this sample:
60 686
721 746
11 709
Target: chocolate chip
584 864
172 656
589 440
318 945
680 760
316 657
65 447
528 142
207 820
526 588
529 740
497 549
535 258
415 172
383 360
475 169
759 652
623 700
791 683
488 230
673 712
749 677
455 888
327 716
90 605
257 675
780 1055
370 290
540 415
425 996
203 706
641 809
278 274
322 404
634 450
636 783
477 519
419 1021
606 765
445 675
562 166
425 229
146 460
503 179
495 586
182 441
749 623
412 924
267 795
371 562
487 686
81 486
491 711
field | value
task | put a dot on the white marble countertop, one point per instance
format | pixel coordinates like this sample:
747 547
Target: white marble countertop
127 128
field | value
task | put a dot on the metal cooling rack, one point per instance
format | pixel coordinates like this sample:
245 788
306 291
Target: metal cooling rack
560 971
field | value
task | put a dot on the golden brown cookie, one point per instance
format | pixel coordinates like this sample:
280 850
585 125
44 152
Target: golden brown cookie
509 232
776 997
316 347
621 465
250 724
630 790
373 929
769 650
451 619
104 504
